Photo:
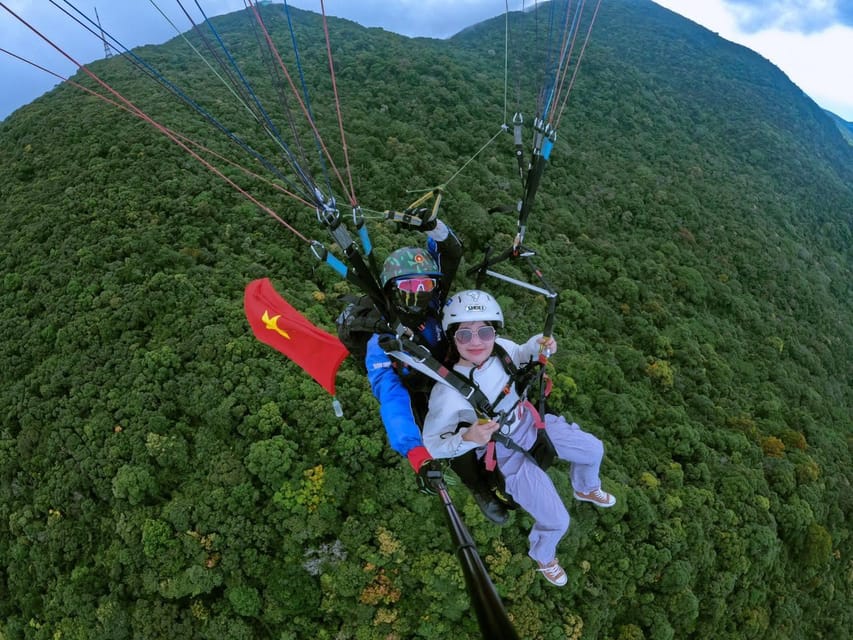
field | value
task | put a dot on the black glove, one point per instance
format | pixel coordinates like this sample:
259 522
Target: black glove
421 219
429 474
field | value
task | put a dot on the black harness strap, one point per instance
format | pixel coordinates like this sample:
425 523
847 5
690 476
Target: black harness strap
509 443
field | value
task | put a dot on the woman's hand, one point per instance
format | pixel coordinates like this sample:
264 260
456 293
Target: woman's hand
547 343
480 432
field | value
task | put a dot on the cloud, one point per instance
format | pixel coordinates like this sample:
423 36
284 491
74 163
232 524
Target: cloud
817 62
799 16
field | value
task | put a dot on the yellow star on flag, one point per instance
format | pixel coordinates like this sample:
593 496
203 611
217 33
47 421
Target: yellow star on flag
272 324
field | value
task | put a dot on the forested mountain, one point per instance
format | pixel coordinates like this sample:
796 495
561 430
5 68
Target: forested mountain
165 475
845 127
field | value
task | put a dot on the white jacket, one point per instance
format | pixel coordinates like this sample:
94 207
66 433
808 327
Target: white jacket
448 408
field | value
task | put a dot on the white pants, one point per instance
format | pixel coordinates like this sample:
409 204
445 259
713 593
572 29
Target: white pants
533 490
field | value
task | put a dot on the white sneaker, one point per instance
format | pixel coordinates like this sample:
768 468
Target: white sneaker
597 497
554 573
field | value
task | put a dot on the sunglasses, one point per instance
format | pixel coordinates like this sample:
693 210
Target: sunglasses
485 334
416 285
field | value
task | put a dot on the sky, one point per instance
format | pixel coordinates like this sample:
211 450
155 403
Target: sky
810 40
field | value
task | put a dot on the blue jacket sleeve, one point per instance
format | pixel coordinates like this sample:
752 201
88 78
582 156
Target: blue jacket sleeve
395 405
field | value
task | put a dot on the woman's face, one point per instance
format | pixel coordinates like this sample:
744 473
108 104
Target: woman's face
474 341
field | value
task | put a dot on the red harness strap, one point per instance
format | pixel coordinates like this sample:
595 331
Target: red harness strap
491 461
538 422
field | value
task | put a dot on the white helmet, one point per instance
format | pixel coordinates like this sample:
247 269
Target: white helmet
470 306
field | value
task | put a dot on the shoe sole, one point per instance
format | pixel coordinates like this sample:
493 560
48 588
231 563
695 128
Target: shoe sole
557 584
595 502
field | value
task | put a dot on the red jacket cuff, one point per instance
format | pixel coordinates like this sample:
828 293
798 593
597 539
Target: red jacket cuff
418 456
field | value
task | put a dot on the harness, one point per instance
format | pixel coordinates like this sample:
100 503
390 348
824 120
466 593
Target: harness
542 453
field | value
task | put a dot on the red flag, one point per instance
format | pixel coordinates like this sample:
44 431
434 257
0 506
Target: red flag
282 327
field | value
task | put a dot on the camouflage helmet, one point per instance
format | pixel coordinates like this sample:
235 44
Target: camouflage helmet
408 261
